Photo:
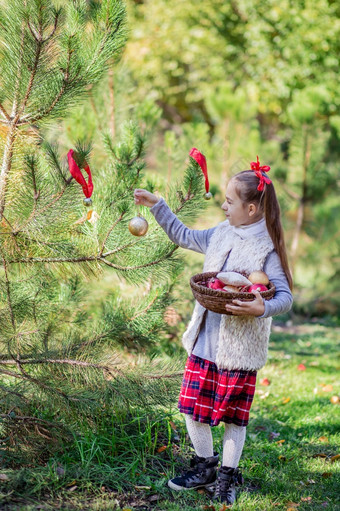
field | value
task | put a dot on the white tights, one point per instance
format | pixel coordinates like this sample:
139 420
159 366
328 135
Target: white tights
201 438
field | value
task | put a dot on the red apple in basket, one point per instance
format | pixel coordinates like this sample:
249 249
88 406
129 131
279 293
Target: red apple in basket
257 287
215 284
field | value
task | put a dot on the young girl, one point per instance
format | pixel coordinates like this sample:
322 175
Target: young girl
226 351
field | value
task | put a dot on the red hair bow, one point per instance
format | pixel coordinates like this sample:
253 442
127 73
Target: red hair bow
255 166
78 176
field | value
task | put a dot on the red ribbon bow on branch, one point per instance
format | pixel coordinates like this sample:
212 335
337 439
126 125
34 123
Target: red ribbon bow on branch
78 176
202 162
255 166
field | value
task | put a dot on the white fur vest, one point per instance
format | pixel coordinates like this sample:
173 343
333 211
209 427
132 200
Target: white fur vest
243 340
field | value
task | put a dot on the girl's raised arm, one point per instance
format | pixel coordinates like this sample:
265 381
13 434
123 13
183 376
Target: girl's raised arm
178 233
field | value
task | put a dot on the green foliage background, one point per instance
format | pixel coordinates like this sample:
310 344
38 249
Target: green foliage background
237 79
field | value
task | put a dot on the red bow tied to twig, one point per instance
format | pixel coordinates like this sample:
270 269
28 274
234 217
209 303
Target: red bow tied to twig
255 166
202 162
78 176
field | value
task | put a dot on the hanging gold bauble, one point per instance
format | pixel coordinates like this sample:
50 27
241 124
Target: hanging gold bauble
138 226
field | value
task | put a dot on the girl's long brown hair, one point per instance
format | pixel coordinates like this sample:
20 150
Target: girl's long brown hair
269 205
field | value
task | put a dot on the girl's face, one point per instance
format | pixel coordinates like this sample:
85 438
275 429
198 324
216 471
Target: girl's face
237 212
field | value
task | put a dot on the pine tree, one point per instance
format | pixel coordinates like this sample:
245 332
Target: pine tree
56 360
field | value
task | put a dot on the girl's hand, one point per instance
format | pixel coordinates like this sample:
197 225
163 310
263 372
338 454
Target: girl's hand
145 198
253 308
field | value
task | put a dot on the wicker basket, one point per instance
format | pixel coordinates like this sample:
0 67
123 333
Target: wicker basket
215 300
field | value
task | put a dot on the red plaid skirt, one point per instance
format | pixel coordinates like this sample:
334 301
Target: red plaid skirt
212 395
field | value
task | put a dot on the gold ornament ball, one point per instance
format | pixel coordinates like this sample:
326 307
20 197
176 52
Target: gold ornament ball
208 196
138 226
87 202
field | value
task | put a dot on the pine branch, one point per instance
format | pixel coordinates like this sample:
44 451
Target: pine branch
101 258
4 113
39 44
25 418
162 376
109 232
102 46
8 293
35 213
27 377
7 163
130 268
19 72
12 233
52 156
119 249
54 361
44 113
145 309
17 394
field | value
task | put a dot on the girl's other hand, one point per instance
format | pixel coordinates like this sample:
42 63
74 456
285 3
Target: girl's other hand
253 308
145 198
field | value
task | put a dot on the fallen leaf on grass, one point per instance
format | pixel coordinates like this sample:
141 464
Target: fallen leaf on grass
4 477
264 381
327 388
301 367
319 455
282 458
335 457
260 428
292 505
285 400
280 441
173 425
154 498
323 439
60 471
139 488
209 508
326 475
306 499
162 448
72 488
335 400
265 395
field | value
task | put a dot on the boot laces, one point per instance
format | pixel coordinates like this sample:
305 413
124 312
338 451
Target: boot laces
224 486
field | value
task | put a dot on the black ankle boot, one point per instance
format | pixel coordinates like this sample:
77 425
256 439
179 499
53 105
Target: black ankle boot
227 480
202 474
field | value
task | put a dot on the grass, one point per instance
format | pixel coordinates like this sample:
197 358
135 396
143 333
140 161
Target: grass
125 462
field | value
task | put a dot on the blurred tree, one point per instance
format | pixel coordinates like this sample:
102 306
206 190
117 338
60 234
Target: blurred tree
263 75
268 48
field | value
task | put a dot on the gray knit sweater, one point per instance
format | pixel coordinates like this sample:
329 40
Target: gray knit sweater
198 240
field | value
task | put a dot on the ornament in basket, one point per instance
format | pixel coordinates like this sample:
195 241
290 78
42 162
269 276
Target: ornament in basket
214 290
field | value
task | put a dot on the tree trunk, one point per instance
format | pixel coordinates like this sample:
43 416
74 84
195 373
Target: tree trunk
302 201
